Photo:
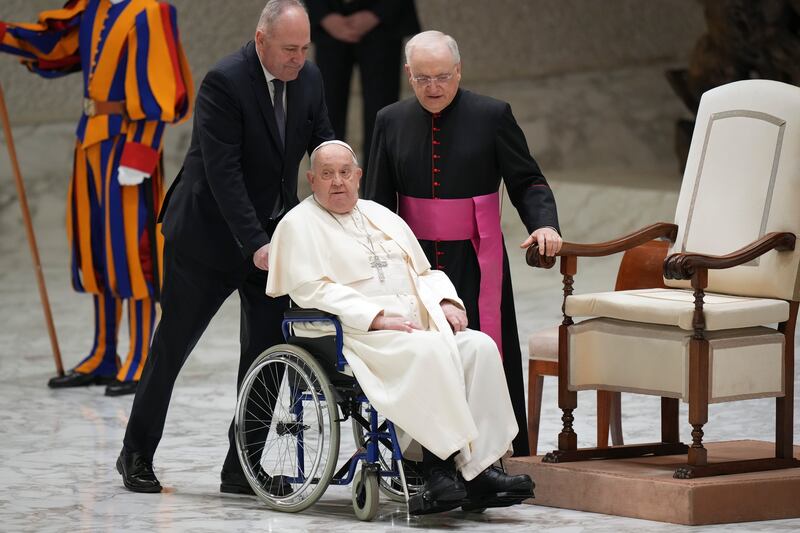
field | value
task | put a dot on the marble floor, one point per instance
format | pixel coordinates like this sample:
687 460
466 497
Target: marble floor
58 448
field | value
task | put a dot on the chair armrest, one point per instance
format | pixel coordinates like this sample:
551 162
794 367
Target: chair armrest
646 234
685 265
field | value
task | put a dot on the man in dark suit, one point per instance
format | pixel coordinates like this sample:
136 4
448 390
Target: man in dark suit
257 112
367 33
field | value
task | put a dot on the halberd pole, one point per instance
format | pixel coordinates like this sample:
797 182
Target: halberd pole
26 217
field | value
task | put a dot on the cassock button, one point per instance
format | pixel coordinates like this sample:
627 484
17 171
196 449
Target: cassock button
436 170
435 183
436 142
437 156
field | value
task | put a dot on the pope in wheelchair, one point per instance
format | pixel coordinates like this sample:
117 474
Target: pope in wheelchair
402 334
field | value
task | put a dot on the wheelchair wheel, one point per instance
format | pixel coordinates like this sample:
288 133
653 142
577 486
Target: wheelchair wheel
391 487
287 428
365 494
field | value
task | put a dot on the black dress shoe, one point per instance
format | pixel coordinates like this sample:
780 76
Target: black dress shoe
137 472
121 388
443 491
234 482
76 379
495 488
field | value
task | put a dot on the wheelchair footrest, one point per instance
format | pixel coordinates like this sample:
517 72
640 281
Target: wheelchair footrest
421 505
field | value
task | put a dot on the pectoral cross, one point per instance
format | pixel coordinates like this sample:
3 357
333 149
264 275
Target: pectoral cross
377 263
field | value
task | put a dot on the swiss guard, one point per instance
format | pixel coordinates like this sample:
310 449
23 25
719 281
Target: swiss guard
136 80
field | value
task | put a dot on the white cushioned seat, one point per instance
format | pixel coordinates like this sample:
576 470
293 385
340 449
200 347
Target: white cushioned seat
543 345
675 307
743 364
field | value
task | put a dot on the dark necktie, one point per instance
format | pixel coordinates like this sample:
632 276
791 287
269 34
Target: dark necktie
280 114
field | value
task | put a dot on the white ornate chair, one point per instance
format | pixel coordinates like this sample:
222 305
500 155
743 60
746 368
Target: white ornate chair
733 271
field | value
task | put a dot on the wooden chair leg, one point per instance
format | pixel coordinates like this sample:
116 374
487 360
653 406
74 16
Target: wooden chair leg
603 417
535 384
616 418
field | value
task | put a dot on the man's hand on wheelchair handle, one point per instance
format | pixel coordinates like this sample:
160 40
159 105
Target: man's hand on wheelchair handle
397 323
261 257
456 316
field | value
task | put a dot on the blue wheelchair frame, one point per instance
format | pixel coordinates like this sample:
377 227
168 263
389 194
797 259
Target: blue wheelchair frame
370 453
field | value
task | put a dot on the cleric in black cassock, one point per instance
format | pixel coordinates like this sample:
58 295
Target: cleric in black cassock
438 160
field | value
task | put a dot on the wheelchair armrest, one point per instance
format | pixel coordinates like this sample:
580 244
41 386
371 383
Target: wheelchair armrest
299 313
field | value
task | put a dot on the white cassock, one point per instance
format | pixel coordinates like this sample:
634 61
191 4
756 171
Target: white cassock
446 391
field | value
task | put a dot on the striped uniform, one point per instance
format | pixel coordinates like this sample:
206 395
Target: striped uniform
128 52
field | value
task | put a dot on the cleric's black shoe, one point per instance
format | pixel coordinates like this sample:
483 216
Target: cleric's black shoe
76 379
443 491
121 388
495 488
234 482
137 472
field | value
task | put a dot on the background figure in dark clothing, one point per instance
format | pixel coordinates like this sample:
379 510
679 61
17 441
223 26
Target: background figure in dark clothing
368 33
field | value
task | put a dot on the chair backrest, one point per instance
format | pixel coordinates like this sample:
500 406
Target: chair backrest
642 267
742 181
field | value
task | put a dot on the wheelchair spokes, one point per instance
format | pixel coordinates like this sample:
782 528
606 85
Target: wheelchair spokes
283 417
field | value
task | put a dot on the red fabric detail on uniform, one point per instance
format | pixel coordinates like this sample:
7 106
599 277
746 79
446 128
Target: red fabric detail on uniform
146 256
180 88
2 30
59 63
139 157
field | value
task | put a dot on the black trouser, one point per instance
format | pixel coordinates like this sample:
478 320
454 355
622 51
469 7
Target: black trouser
378 57
191 295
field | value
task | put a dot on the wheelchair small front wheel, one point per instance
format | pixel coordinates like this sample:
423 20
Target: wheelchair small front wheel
365 494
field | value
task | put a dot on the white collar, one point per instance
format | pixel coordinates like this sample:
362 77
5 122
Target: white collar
115 2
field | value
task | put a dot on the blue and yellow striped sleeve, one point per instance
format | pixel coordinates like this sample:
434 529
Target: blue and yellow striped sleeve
48 47
158 85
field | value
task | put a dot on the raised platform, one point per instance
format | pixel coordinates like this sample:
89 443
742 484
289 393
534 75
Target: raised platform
644 487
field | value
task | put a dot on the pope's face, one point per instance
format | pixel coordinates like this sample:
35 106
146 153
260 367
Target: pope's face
283 46
335 178
433 76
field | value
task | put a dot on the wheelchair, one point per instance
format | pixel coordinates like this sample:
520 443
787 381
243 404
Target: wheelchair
290 406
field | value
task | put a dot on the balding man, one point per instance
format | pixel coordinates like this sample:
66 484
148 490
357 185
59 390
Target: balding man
258 112
438 160
405 335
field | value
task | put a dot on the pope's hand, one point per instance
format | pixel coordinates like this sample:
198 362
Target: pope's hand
130 176
455 316
548 239
261 257
397 323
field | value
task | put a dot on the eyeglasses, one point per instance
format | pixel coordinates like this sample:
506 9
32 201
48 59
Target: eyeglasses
344 174
426 81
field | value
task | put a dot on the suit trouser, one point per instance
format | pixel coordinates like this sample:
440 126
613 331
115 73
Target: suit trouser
191 295
378 57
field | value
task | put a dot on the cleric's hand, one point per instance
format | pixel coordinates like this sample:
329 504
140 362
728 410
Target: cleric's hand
261 257
547 238
456 316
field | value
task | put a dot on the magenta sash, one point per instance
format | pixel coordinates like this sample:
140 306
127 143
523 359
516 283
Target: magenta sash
476 219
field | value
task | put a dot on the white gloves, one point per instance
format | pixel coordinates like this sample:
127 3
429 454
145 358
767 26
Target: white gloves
130 176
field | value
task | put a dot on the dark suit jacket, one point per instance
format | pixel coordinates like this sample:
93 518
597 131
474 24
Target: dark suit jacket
398 17
218 209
